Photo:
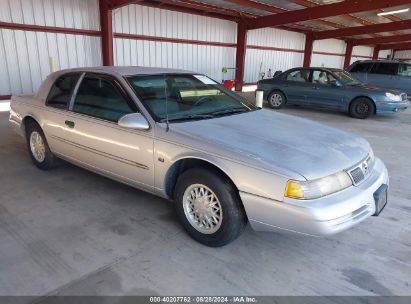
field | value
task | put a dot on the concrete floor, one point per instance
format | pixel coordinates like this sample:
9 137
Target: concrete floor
72 232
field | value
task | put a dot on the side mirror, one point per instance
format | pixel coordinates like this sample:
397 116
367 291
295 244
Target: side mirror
134 121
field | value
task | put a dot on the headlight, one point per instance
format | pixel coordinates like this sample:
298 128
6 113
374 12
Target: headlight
319 187
393 97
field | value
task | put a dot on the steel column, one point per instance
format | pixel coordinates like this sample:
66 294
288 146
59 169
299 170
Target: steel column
308 50
106 23
240 55
348 53
376 52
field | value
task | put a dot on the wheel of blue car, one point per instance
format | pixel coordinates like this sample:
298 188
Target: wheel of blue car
362 108
38 147
276 100
209 207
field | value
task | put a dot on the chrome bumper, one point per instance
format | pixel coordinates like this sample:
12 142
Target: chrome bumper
323 216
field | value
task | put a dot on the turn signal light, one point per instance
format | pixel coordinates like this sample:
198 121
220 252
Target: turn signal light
294 190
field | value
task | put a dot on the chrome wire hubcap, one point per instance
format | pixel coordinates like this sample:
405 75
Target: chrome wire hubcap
276 100
37 147
202 209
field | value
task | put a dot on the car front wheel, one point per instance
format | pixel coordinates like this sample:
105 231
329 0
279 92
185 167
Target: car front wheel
209 207
38 147
362 108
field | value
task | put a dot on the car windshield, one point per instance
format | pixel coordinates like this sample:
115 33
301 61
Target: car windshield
182 97
346 78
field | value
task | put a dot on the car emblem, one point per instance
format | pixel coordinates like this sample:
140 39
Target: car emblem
365 167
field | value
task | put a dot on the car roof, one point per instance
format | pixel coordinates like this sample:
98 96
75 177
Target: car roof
125 70
318 68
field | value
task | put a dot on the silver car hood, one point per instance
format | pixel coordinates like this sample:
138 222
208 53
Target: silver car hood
276 142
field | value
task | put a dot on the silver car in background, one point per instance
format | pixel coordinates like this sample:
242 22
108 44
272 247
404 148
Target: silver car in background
223 162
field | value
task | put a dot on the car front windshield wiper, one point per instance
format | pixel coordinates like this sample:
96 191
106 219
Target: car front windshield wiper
229 111
188 117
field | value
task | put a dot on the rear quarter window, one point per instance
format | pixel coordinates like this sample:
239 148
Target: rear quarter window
386 68
61 91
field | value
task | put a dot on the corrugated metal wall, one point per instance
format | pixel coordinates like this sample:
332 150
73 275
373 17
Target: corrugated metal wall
405 55
333 60
141 20
260 60
24 56
384 54
363 51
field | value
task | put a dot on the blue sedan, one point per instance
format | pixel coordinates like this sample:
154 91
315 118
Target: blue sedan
330 89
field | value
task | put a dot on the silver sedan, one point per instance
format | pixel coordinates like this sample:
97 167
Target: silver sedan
223 161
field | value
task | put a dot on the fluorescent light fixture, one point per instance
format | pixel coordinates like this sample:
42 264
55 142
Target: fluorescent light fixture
394 12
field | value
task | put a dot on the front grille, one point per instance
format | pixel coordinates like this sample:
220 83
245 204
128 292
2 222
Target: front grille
361 171
357 175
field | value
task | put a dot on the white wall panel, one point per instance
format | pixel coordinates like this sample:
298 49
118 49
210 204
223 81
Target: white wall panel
24 56
198 58
258 60
403 55
364 52
271 37
267 59
81 14
335 59
384 53
142 20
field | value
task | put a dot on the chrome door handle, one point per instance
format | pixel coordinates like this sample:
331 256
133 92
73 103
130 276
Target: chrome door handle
69 123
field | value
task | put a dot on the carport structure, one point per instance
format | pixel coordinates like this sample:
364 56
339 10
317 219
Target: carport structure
349 24
309 17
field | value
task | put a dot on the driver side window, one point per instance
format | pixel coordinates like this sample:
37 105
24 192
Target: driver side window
100 97
324 78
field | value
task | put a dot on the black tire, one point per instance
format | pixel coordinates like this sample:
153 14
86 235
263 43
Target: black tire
362 108
49 160
276 99
233 219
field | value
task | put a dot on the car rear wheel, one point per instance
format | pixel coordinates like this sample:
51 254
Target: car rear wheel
362 108
38 147
209 207
276 100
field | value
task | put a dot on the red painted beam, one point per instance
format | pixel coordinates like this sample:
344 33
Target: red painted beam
47 29
172 40
5 97
308 50
366 29
348 54
385 39
323 11
376 52
240 55
106 23
396 46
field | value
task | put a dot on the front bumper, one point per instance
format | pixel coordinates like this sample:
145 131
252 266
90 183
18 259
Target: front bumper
323 216
387 107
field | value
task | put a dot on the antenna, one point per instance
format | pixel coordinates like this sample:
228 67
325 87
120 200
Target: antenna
165 93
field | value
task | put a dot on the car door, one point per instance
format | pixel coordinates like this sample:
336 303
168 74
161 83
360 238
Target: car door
97 140
325 92
56 110
296 86
384 75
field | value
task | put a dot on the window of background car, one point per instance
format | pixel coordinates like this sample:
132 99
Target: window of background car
404 69
361 67
184 96
299 76
61 91
387 68
346 78
100 97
